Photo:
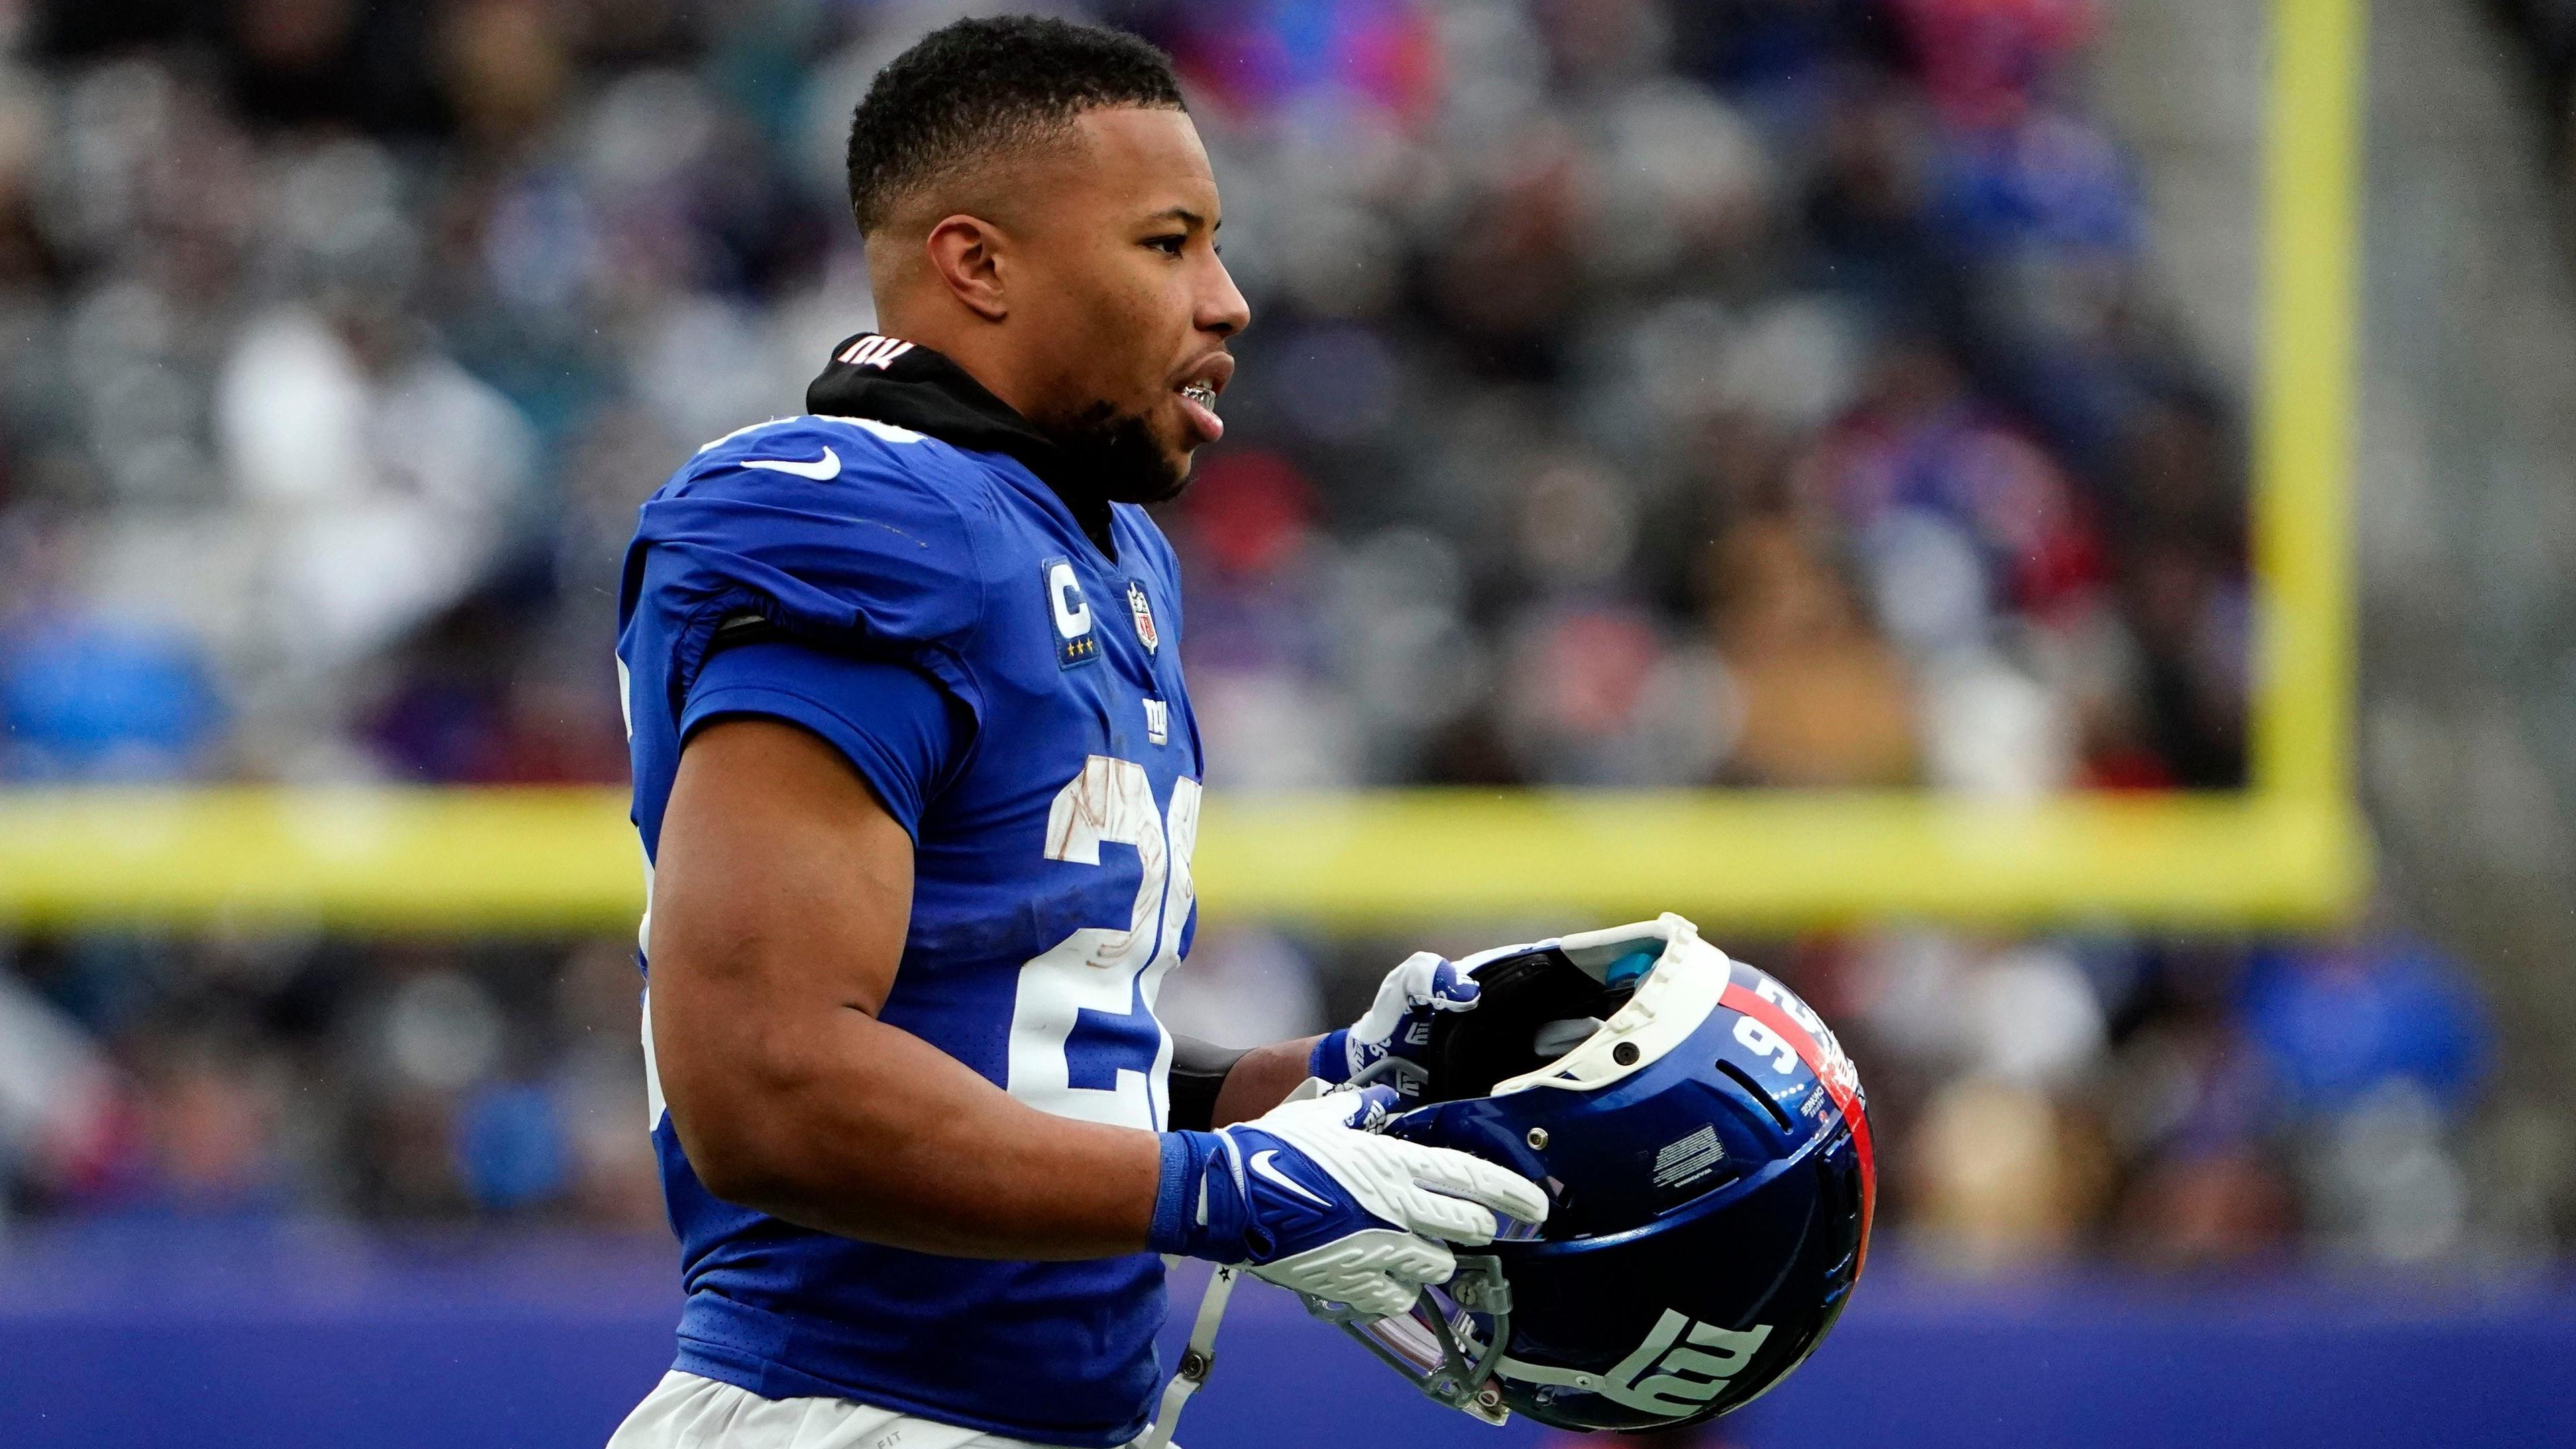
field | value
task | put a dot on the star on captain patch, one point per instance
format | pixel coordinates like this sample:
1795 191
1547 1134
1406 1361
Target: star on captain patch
1144 613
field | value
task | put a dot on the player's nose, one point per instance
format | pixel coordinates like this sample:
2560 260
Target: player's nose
1222 309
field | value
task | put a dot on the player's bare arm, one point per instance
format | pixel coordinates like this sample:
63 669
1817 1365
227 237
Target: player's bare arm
1261 1079
780 903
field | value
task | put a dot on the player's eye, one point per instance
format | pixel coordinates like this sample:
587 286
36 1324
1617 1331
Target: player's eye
1171 245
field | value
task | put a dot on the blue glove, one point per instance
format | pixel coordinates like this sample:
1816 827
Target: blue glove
1398 1025
1317 1204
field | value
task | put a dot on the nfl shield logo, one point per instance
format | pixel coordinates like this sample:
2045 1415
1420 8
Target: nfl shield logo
1144 613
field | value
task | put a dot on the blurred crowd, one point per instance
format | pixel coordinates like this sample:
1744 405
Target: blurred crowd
1756 392
1715 392
2174 1103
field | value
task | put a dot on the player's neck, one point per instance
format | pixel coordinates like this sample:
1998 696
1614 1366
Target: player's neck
919 386
979 349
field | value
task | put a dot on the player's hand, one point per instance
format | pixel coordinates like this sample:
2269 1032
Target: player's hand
1397 1025
1317 1204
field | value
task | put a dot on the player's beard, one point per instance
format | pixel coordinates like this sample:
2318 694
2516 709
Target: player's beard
1116 453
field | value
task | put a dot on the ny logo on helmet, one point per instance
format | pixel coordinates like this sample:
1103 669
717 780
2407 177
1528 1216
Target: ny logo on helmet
1677 1370
1675 1378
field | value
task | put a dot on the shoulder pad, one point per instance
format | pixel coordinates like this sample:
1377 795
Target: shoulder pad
845 531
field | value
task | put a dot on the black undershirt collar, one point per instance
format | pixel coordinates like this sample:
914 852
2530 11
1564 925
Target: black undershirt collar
906 384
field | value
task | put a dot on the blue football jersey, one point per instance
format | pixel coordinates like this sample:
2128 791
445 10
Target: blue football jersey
1051 879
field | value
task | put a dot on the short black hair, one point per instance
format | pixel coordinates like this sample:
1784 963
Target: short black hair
974 88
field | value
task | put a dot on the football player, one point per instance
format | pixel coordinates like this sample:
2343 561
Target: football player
917 782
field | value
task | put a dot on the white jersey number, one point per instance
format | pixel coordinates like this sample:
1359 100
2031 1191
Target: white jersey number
1084 1040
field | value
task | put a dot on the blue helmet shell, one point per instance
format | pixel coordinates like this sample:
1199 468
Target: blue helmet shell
1707 1157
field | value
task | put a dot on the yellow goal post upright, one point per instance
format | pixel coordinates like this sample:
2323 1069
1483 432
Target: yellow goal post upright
2288 851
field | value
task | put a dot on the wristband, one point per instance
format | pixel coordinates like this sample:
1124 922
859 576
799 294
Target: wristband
1331 1058
1195 1217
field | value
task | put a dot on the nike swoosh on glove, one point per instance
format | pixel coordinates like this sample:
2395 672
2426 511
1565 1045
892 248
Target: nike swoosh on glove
1397 1024
1316 1204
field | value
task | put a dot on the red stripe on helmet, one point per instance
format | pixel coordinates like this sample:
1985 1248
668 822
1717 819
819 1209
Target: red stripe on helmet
1742 998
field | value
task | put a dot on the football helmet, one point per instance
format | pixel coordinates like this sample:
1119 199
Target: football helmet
1705 1148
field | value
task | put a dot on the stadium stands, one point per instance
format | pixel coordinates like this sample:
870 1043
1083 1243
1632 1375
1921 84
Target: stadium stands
1759 393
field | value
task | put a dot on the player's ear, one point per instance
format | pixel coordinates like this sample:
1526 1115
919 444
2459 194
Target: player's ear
965 252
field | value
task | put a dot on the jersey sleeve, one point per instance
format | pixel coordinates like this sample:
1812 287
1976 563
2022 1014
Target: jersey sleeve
874 560
898 727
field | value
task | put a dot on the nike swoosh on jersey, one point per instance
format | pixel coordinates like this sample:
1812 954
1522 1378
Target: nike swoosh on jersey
820 470
1261 1164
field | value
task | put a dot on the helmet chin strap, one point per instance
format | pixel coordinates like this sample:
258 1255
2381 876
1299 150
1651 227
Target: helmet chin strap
1463 1383
1196 1361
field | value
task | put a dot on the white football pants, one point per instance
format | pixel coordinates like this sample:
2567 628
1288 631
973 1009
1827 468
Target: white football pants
685 1411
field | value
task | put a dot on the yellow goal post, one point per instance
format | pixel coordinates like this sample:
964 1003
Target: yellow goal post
2288 851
